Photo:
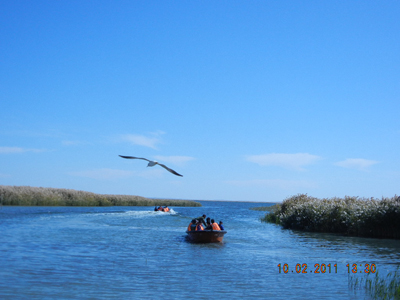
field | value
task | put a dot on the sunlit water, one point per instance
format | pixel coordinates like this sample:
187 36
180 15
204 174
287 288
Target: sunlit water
136 253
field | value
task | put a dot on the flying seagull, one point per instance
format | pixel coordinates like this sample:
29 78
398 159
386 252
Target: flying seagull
152 163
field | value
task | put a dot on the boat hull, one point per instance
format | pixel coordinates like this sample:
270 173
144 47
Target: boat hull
206 236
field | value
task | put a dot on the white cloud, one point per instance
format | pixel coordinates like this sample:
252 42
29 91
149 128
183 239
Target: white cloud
294 161
142 140
274 183
8 150
356 163
103 174
177 160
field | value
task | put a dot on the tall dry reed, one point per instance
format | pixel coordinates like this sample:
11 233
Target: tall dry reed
39 196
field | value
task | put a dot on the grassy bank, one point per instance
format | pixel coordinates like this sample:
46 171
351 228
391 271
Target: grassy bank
366 217
378 286
39 196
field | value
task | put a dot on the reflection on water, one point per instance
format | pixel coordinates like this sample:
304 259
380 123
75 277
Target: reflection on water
134 252
386 251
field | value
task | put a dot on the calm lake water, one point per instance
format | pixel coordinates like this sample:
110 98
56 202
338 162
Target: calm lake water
136 253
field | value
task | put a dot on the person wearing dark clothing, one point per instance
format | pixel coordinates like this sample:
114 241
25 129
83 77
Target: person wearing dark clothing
221 226
201 220
208 224
192 225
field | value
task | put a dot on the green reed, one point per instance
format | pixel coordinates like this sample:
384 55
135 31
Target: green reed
377 286
39 196
265 208
354 216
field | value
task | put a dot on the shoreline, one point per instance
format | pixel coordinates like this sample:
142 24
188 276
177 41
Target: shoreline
351 216
40 196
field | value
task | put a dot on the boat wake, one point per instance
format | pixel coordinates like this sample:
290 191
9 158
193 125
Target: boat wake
146 213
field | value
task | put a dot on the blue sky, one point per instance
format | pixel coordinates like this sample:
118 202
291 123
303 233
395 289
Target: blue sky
249 100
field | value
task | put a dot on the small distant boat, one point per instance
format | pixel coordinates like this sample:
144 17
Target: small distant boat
206 236
163 209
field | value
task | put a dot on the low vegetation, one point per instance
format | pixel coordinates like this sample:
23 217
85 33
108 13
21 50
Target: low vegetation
265 208
377 286
39 196
366 217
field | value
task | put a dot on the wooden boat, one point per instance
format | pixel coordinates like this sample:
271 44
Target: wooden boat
206 236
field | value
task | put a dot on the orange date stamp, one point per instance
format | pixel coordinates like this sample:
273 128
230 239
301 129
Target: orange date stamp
326 268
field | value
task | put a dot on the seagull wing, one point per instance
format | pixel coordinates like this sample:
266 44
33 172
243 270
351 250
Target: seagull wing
164 166
132 157
168 169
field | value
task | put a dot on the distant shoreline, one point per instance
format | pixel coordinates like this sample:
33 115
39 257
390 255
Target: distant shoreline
40 196
235 201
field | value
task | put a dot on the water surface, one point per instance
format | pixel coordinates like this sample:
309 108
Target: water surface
136 253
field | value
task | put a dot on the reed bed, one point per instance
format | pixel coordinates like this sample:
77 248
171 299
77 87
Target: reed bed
377 286
265 208
366 217
39 196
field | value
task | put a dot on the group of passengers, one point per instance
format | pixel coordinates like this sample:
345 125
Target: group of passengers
201 223
160 208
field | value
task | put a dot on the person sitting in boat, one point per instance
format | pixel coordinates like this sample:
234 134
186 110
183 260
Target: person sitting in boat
220 225
166 209
192 225
199 226
201 219
214 226
155 208
208 224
